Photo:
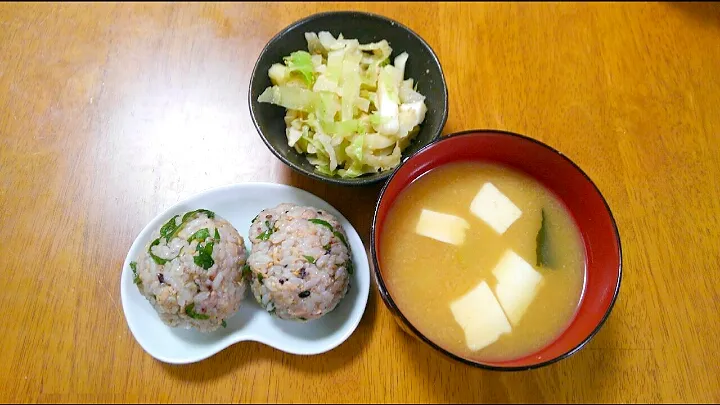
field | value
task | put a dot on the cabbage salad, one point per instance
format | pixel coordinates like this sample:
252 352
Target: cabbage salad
348 108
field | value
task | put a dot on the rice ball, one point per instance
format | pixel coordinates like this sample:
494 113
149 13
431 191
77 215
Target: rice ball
191 271
300 263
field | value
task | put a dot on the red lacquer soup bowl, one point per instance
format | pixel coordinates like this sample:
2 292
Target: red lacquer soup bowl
569 183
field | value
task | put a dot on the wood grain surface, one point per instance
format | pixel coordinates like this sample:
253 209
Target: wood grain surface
110 113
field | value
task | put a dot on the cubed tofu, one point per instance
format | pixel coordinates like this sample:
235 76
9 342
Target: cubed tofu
493 207
517 284
443 227
480 316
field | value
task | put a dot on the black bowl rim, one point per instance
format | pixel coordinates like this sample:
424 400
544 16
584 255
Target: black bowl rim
390 303
359 181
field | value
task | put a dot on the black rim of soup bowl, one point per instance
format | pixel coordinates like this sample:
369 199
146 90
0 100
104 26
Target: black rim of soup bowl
364 180
392 306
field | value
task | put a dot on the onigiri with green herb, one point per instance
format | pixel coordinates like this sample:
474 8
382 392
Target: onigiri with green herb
300 263
191 271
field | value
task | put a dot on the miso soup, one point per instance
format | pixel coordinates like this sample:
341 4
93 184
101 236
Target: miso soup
483 260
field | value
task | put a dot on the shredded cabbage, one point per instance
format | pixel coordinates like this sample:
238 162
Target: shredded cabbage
349 109
301 62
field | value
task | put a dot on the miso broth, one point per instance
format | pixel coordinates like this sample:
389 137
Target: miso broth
427 275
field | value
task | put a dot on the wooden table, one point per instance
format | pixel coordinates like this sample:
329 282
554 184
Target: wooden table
111 113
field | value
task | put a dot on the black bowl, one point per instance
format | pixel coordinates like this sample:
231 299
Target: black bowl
423 66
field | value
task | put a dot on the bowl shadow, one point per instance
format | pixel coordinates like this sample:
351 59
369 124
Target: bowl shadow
243 355
552 383
357 204
703 12
247 353
235 357
347 353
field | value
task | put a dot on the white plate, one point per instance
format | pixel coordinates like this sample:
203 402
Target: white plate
239 204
